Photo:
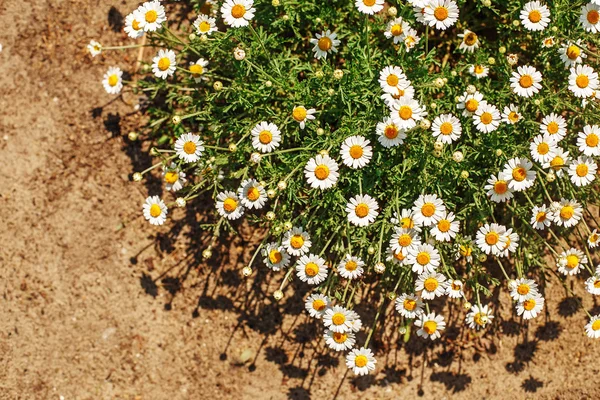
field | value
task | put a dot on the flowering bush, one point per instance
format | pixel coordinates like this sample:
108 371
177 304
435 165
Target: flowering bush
420 145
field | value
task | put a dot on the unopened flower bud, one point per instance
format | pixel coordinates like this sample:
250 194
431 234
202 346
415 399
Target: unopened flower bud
278 295
137 177
132 136
247 271
180 202
218 86
281 185
379 268
270 215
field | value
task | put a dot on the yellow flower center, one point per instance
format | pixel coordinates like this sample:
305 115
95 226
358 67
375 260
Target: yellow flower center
470 39
322 172
492 238
113 80
478 69
171 177
410 304
230 205
513 116
567 212
597 283
407 223
443 225
164 63
356 151
428 209
265 137
299 113
465 251
478 319
423 258
399 256
391 132
404 240
573 52
593 237
396 30
455 287
311 269
338 318
238 11
430 327
572 261
204 26
535 16
529 304
557 163
519 174
526 81
581 170
596 325
151 16
582 81
325 44
471 105
591 140
196 69
369 3
340 337
351 265
440 13
155 210
446 128
431 284
361 210
297 241
253 193
319 305
360 361
275 257
500 187
540 216
135 24
189 147
405 112
392 80
486 118
593 17
543 148
523 289
552 128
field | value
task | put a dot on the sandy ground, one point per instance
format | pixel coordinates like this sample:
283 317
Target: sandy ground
96 304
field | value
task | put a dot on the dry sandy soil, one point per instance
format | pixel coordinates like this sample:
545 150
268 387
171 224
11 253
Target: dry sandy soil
96 304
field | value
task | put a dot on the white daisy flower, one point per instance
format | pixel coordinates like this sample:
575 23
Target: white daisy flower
431 284
568 213
446 128
511 114
571 262
189 147
454 290
479 71
465 250
446 228
512 242
311 269
338 319
592 328
593 241
133 25
430 326
405 90
275 257
583 171
526 81
391 78
428 209
441 14
548 42
205 25
470 41
361 361
469 103
238 13
94 48
355 322
535 16
266 137
198 69
571 53
592 285
325 43
479 316
113 81
389 134
519 174
153 15
531 307
296 241
338 341
252 194
498 190
522 288
406 112
362 210
351 267
405 220
486 118
356 152
541 148
590 17
409 305
301 115
588 141
316 304
554 127
155 210
369 6
411 39
396 29
164 64
559 159
174 177
491 238
229 206
583 81
321 172
419 10
423 258
395 258
403 240
541 217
